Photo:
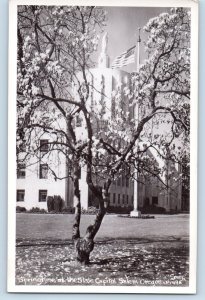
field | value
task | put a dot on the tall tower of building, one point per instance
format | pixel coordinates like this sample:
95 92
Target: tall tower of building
103 60
104 81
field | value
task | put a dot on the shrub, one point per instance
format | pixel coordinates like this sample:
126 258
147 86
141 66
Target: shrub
55 204
119 209
20 209
58 203
92 210
50 203
68 210
152 209
37 210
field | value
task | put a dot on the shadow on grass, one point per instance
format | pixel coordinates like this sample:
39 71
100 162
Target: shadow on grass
55 261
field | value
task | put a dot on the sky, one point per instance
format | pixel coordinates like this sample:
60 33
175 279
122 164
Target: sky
122 27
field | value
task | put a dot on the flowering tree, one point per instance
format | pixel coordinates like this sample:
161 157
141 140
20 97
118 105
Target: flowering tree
55 47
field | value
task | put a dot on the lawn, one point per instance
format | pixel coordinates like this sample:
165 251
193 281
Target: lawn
127 251
59 226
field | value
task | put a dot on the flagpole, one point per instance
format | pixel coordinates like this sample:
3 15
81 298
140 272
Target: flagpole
138 50
135 212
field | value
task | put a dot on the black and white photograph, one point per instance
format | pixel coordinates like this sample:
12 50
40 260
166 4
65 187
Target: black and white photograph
102 146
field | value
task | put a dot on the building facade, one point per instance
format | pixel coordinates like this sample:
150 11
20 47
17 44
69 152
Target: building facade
35 181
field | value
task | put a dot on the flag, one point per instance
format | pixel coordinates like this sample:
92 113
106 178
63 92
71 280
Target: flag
124 59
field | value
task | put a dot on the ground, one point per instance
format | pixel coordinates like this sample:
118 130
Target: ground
127 251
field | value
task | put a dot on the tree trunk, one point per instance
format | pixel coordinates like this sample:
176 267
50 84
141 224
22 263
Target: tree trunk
77 203
84 246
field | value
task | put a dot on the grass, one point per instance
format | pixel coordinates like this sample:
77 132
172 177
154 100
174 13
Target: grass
127 251
52 227
113 263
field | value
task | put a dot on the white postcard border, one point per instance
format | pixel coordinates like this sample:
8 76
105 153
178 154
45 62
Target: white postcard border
11 286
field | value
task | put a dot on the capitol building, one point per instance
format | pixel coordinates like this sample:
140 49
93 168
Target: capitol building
34 183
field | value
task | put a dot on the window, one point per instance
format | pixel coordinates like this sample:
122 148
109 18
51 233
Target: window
123 180
127 181
119 181
123 199
43 171
20 195
44 145
154 200
118 198
78 121
114 197
42 195
21 171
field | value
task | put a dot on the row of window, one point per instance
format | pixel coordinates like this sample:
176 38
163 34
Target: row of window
43 147
43 171
122 181
43 174
20 195
118 197
42 194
